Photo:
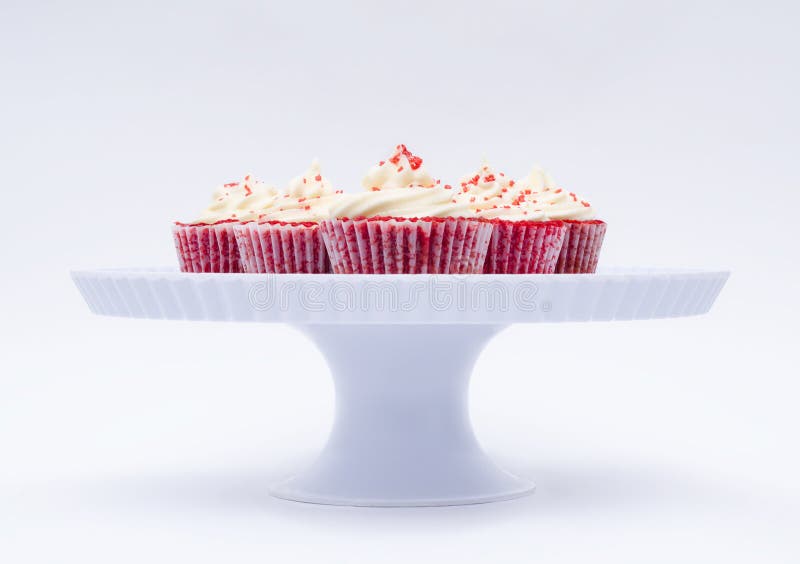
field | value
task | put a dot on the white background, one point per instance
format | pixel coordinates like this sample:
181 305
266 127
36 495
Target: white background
665 441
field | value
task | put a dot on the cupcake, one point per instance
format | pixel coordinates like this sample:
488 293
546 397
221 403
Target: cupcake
524 240
584 234
208 244
405 222
285 237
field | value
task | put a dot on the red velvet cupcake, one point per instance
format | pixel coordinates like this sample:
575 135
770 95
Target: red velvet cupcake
287 237
584 234
405 223
523 241
209 243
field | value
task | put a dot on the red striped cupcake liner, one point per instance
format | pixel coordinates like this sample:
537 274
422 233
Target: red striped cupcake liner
386 245
524 247
279 247
206 248
581 248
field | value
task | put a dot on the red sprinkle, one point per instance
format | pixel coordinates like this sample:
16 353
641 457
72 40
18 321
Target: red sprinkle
318 177
413 160
511 183
375 189
558 191
586 204
488 178
231 184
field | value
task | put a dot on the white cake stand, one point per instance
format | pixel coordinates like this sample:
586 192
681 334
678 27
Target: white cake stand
401 349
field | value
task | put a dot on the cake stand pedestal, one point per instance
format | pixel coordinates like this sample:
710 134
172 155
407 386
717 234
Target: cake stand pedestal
402 435
401 350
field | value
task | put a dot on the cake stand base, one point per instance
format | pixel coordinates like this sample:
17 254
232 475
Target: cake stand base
401 433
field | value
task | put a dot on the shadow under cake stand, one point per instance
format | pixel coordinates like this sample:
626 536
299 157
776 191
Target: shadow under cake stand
401 350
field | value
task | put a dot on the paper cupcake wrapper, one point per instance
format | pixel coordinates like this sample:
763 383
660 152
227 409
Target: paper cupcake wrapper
206 248
406 246
281 248
581 248
524 247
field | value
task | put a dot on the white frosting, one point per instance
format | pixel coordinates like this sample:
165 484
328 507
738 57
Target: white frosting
243 201
398 187
309 184
485 183
301 210
540 190
401 170
307 198
499 197
405 202
538 180
560 204
401 187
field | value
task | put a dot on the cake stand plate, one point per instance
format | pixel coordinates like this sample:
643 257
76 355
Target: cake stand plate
401 349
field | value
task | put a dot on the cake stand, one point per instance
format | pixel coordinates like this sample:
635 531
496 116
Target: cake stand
401 349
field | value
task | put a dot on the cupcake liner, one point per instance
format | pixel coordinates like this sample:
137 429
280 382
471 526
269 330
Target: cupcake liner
206 248
385 245
581 249
278 247
524 247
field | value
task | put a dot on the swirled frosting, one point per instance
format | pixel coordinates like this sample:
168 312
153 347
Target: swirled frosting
309 184
243 201
410 202
538 180
401 170
539 189
485 183
307 199
400 187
